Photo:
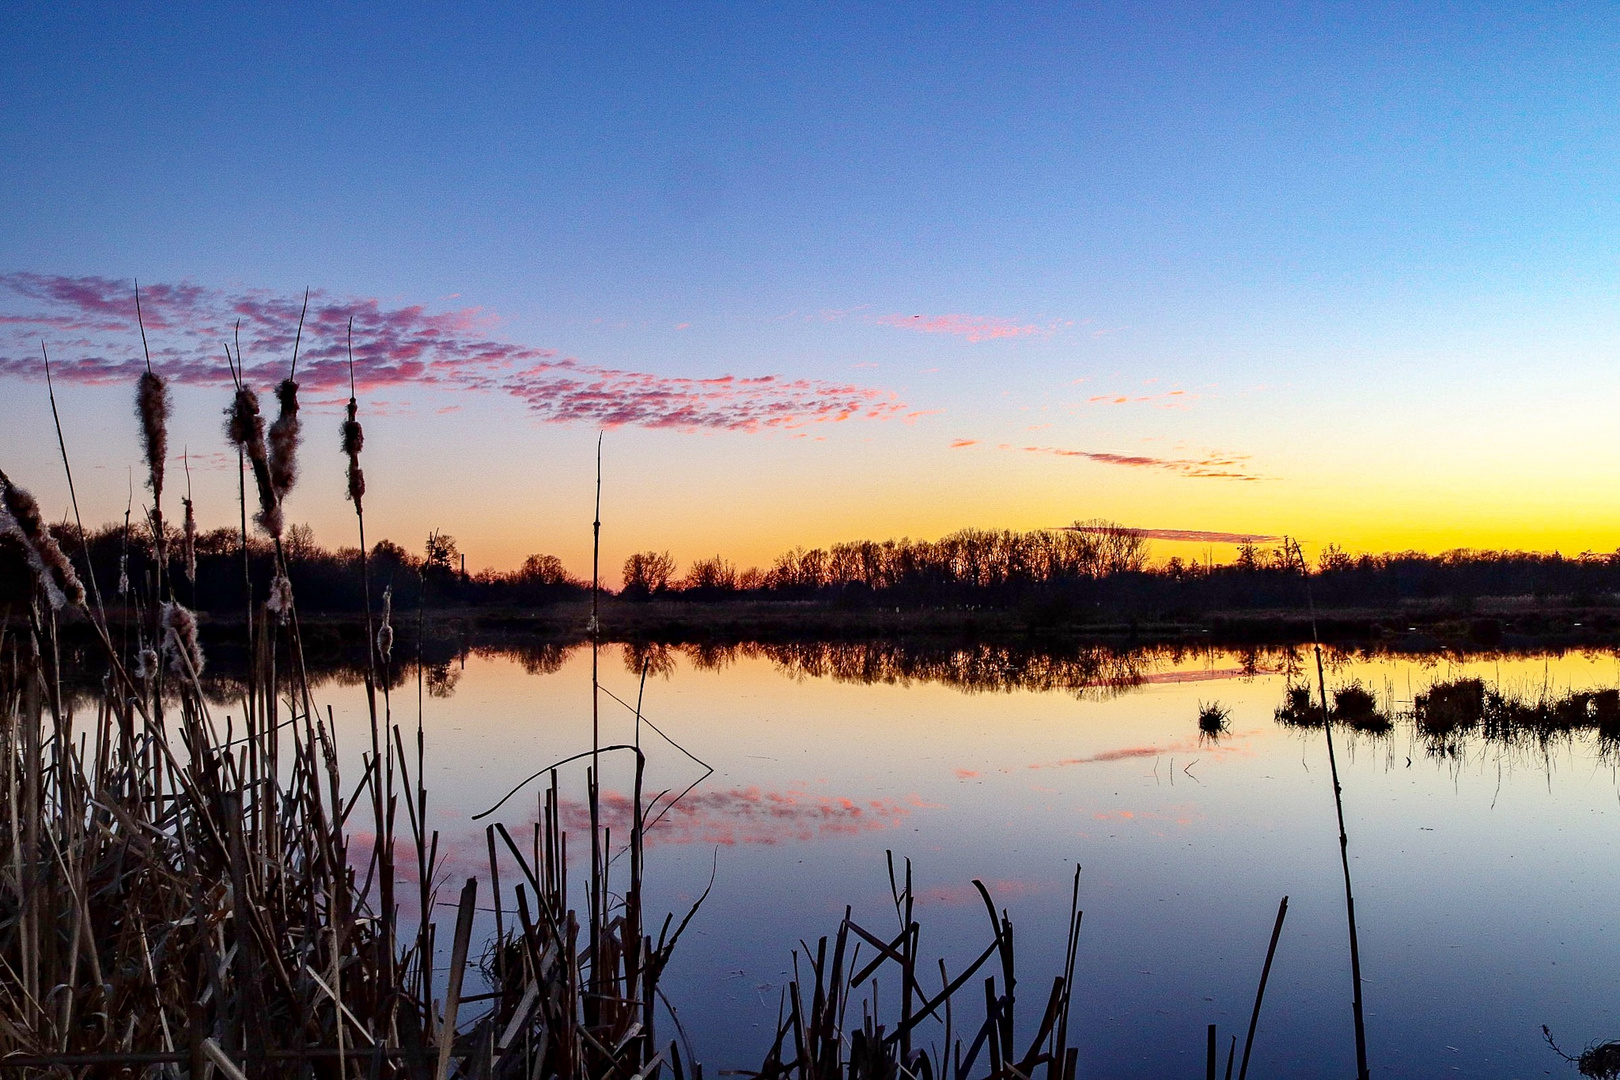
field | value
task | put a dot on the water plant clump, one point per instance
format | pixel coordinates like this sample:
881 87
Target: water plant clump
1299 709
1451 708
1214 720
1356 707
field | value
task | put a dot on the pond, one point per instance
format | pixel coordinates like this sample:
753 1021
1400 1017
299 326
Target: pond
1485 876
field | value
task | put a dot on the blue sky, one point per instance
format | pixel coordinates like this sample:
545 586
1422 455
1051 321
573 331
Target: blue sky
1373 246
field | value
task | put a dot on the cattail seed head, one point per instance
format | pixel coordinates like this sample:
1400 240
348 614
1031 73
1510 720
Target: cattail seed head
353 439
189 543
283 448
146 663
152 404
123 574
180 639
244 426
53 573
385 633
281 597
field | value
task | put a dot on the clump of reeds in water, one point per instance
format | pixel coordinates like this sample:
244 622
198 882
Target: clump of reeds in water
1355 706
820 1037
1299 709
1214 720
1449 709
1448 712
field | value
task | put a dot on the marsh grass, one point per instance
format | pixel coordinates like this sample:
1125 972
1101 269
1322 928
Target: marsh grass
184 893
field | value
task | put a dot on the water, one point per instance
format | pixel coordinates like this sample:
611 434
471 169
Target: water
1485 876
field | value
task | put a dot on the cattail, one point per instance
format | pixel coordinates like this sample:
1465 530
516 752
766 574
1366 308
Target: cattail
152 406
385 632
353 440
123 574
180 639
245 428
281 598
146 663
284 441
189 543
20 517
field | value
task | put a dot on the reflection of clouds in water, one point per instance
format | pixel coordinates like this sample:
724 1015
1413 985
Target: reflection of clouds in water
748 815
1000 889
1123 754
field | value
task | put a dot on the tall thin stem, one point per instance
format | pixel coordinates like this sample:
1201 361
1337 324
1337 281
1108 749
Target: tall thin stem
1344 838
597 899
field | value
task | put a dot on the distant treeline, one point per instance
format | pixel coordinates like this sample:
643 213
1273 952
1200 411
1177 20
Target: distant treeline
323 580
1078 573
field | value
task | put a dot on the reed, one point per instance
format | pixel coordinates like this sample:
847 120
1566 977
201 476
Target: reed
1356 1010
828 1026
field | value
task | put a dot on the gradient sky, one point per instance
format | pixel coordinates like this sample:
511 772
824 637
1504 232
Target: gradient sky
825 272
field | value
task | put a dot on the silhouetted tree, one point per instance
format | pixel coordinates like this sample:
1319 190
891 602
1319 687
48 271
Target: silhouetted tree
648 574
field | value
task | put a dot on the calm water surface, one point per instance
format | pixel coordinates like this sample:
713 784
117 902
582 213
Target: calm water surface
1486 879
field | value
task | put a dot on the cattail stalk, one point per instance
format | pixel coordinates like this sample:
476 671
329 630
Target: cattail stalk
152 406
189 537
385 632
53 573
244 426
283 441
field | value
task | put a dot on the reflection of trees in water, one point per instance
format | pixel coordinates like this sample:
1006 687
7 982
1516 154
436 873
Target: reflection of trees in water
1092 671
654 657
1088 671
534 657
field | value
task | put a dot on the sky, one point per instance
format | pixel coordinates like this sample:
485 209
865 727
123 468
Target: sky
826 272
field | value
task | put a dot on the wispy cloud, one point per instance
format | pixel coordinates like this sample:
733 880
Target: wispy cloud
1170 399
1213 466
1200 536
961 444
91 324
972 327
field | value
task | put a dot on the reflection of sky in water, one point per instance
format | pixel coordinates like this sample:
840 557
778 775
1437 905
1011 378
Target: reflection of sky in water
1485 883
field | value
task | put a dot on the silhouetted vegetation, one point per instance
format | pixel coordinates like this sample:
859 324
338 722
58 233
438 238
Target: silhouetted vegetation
324 581
1088 574
1214 720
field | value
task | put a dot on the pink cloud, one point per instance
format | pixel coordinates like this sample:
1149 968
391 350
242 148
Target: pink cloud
1123 754
959 444
1213 465
91 324
972 327
1201 536
1170 399
749 816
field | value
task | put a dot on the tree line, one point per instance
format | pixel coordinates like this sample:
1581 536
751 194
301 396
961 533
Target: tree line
1071 573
